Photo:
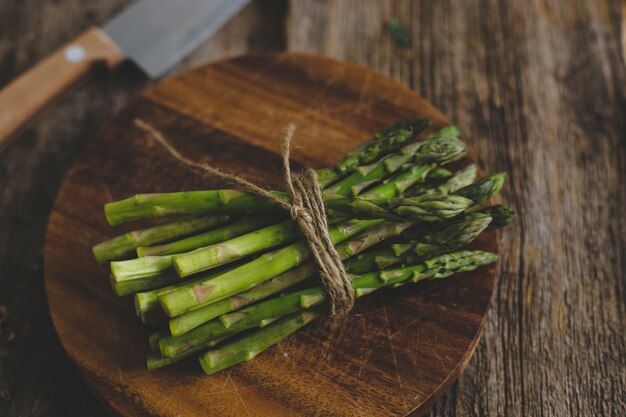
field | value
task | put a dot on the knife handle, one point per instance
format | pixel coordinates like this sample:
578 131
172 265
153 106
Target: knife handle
30 93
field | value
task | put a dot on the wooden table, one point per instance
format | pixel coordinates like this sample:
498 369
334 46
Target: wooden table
539 87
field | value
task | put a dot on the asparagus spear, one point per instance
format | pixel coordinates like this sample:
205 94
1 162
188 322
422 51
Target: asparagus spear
145 268
426 208
220 253
153 206
463 177
429 208
124 245
483 189
249 345
238 228
381 143
416 173
147 301
370 237
459 179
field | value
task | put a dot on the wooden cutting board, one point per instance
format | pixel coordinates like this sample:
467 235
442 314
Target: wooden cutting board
397 352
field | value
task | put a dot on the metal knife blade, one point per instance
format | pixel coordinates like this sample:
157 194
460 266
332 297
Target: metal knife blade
157 34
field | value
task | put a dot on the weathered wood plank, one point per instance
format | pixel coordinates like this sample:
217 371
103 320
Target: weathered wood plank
539 88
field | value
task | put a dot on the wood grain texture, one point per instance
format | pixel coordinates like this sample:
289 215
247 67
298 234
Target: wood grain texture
394 355
535 84
539 86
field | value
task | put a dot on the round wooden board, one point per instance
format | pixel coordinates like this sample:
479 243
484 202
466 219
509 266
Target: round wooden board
398 351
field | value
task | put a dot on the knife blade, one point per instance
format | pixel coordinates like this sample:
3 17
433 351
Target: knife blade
155 34
170 29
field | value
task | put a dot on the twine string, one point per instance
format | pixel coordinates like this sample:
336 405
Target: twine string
306 208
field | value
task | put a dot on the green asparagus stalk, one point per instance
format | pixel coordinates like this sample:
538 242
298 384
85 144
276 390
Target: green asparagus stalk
238 228
500 217
147 301
220 253
429 208
248 346
153 206
461 178
370 237
125 245
382 143
417 173
483 189
145 268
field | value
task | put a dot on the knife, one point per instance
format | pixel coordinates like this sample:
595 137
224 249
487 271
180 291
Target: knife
155 34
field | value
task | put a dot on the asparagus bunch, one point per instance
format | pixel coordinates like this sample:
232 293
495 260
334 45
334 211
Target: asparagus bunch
435 147
233 275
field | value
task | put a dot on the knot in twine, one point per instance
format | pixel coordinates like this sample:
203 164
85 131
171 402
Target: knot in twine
306 208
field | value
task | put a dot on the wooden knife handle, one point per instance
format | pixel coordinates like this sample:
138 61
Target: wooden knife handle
31 92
